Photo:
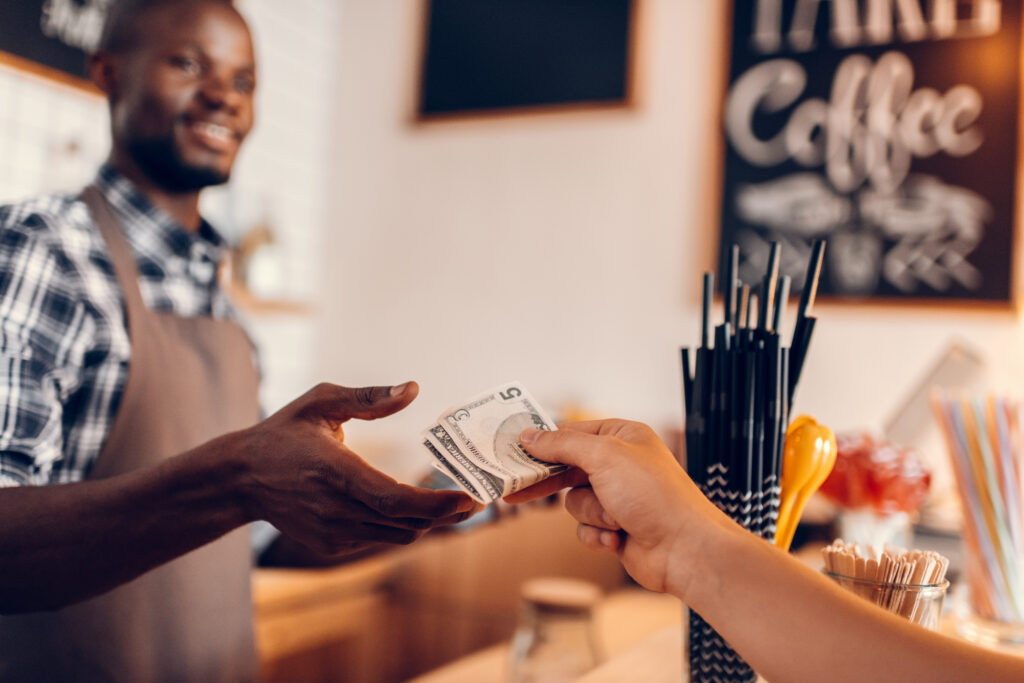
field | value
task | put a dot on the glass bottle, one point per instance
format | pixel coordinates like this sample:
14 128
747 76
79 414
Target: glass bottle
554 640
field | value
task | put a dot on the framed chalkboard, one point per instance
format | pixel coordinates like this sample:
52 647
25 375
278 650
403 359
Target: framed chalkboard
891 129
51 37
496 55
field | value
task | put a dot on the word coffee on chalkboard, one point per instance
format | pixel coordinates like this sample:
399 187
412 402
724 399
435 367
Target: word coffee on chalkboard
55 34
888 128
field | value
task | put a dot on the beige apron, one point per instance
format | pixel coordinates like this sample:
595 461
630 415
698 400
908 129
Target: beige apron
189 380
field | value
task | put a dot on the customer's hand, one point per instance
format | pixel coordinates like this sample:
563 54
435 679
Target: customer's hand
630 496
300 476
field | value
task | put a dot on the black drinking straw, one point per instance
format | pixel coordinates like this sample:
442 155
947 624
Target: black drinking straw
760 415
688 417
810 289
798 354
808 293
716 471
780 304
723 349
687 380
771 277
696 420
705 312
743 301
721 453
702 387
732 266
737 454
773 509
804 323
738 293
748 397
751 311
773 426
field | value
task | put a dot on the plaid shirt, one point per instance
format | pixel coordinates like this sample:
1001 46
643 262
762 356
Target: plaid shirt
64 347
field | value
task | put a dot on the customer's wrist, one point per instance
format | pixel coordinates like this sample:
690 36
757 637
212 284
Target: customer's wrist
697 555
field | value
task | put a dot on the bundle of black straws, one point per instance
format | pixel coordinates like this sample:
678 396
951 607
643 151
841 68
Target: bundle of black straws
737 394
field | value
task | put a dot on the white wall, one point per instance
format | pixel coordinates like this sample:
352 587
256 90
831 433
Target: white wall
52 136
564 250
283 177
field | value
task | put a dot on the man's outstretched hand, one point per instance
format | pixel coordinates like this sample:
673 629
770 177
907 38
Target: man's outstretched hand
300 476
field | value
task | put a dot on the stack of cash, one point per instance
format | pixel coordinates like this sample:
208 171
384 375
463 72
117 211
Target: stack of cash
476 443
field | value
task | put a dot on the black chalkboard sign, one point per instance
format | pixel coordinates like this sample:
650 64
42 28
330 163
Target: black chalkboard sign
54 36
888 128
485 55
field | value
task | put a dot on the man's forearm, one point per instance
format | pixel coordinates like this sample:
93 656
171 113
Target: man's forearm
64 543
792 624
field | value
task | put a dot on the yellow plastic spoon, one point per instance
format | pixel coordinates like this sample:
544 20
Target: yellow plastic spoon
808 457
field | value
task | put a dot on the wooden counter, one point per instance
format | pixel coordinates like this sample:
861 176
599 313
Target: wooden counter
658 659
640 634
310 623
412 609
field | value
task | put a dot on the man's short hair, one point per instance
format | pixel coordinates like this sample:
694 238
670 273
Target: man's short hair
120 32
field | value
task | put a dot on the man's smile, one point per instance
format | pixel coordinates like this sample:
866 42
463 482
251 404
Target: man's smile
215 137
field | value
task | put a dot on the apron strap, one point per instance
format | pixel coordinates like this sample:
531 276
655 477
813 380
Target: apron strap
120 252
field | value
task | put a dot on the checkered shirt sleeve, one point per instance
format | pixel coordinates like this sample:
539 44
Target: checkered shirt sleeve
45 331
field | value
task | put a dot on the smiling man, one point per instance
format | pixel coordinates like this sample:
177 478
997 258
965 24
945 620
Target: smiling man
180 107
131 454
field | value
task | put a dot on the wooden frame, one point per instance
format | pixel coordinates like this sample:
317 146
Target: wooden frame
43 71
46 39
628 101
1003 243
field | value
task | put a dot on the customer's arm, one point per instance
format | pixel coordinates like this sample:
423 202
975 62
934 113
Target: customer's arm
789 622
67 542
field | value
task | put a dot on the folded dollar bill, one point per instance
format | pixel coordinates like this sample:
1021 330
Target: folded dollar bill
476 443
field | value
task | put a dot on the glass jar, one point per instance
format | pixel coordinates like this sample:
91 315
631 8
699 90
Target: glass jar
554 640
918 603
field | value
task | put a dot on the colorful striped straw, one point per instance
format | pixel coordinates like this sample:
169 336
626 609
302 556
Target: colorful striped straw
983 436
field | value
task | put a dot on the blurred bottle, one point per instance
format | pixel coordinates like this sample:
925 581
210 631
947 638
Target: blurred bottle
554 641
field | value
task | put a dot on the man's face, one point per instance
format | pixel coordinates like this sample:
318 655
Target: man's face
184 96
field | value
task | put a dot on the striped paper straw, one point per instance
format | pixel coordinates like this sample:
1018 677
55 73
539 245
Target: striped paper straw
984 439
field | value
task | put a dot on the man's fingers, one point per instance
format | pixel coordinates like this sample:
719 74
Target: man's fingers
424 523
380 533
336 404
567 479
455 519
391 499
582 504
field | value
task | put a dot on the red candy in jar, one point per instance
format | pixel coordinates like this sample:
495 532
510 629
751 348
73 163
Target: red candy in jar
871 473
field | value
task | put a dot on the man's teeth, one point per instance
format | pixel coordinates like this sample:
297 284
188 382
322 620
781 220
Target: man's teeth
213 130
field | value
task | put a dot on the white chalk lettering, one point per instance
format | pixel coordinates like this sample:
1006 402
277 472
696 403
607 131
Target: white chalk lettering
870 129
855 23
74 23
